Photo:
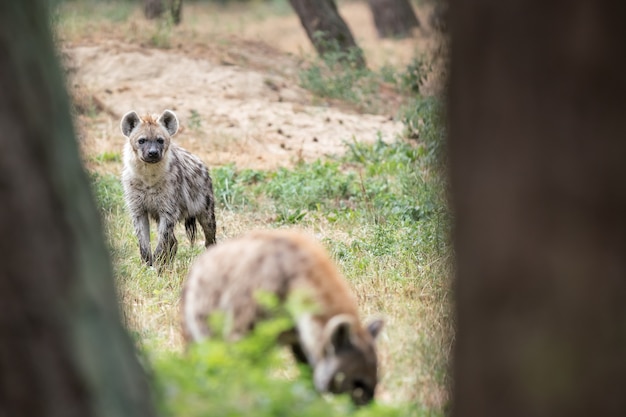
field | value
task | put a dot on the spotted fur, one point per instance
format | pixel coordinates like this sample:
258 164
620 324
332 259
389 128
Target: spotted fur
329 336
164 182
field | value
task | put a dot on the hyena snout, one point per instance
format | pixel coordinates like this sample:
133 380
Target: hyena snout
349 364
151 152
347 373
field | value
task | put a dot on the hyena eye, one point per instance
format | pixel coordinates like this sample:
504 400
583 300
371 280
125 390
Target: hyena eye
160 141
141 141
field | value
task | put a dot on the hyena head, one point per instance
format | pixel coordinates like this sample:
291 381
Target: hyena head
348 363
149 137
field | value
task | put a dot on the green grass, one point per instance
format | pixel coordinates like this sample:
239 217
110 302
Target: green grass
336 76
79 13
108 157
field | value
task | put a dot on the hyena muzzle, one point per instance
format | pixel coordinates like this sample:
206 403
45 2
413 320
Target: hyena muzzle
164 182
328 336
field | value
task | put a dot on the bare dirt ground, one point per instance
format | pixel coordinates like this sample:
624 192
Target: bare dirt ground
231 75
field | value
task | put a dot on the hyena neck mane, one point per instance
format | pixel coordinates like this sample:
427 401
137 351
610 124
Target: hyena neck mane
148 173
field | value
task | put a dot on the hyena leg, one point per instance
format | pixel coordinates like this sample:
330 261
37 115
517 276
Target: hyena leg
142 230
207 222
168 245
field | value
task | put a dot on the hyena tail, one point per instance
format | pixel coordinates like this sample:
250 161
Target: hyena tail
191 229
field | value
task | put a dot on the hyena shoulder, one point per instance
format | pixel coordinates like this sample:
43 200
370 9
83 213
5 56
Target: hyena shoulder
279 262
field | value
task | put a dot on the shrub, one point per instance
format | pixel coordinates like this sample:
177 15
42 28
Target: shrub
250 377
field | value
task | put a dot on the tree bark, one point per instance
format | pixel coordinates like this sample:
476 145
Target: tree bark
154 9
63 351
326 29
176 9
393 18
439 16
538 172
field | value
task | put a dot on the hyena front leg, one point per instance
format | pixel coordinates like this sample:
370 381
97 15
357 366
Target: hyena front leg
167 245
141 223
207 222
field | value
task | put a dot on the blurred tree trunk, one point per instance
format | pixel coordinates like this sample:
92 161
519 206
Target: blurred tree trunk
63 351
538 171
393 18
153 9
176 9
326 29
439 16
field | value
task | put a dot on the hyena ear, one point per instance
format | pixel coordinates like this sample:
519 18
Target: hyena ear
338 333
375 326
129 122
169 121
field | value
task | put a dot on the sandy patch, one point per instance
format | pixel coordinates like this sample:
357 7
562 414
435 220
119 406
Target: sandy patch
227 113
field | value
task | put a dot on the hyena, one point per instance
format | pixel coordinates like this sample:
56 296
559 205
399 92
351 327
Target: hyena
164 182
329 337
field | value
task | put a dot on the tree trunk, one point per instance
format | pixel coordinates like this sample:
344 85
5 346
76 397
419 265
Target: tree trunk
393 18
153 9
326 29
538 172
439 16
63 351
176 9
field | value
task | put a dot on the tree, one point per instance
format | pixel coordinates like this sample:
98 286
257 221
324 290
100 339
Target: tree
153 9
63 350
393 18
538 173
176 9
326 29
438 18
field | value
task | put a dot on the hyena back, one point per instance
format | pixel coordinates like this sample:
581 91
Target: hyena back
164 182
329 337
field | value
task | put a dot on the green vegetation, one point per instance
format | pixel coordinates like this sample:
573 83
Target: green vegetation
109 194
195 121
248 377
108 157
337 75
85 11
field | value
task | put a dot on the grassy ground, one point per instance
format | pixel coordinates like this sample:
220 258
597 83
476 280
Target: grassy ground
379 212
379 209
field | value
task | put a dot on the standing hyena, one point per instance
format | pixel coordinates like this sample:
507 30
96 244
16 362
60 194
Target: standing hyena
163 181
329 337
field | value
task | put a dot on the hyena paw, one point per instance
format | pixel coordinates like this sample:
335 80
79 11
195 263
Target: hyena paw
165 255
146 257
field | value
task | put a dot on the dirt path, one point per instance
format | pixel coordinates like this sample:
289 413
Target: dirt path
228 113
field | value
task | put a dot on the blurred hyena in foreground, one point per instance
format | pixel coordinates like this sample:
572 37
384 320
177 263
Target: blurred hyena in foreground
164 182
329 336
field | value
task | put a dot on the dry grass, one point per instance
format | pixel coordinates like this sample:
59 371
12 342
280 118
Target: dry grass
412 297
